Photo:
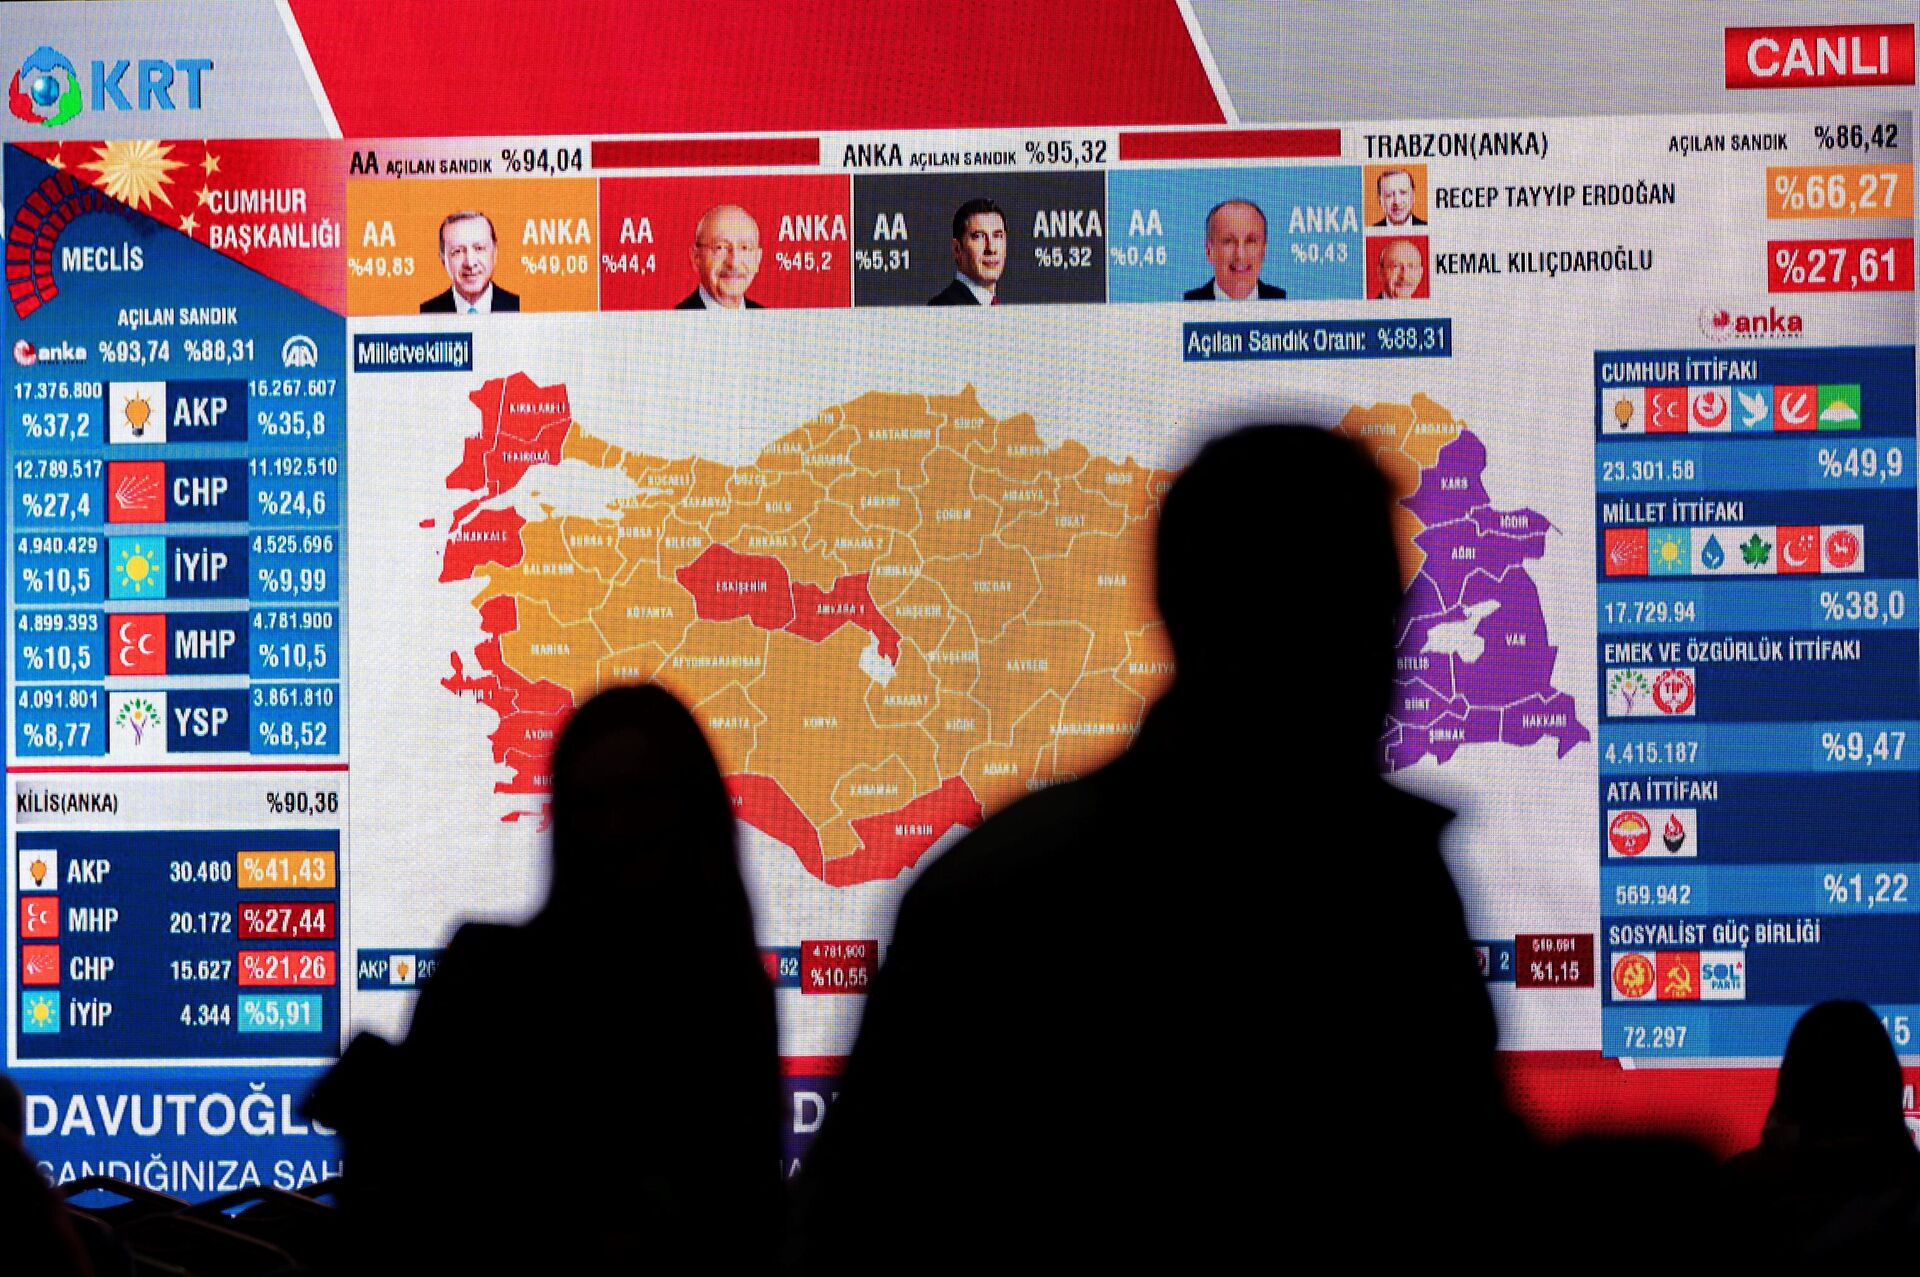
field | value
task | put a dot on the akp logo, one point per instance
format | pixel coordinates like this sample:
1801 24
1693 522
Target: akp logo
46 89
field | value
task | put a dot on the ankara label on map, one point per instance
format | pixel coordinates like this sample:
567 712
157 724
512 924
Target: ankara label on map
905 612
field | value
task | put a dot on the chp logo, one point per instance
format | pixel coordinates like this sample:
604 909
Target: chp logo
46 89
1774 324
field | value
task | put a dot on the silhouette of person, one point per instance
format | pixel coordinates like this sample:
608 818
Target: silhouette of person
1835 1173
1165 1012
37 1230
599 1088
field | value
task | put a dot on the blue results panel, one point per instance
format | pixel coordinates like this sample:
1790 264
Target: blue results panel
1760 687
176 436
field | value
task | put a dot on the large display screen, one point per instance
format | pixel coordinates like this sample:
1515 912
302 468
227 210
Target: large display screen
338 471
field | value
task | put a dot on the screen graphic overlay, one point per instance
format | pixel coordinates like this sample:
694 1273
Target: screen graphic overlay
338 474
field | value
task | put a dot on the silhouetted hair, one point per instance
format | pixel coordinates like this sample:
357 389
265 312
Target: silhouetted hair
1840 1075
972 209
13 1110
1301 490
637 792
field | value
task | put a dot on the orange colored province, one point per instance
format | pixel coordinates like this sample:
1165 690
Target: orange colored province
958 725
787 454
637 664
954 520
955 660
714 655
548 574
1015 497
541 647
785 502
990 588
1104 582
581 446
920 612
1099 721
804 557
708 496
834 533
645 607
1404 439
831 454
1074 511
1136 489
732 722
878 499
1027 664
594 545
895 433
963 422
1148 667
909 696
1018 453
1020 760
818 729
637 532
896 572
680 543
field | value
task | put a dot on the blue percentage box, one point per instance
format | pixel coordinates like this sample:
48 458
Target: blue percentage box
296 718
59 722
296 503
295 567
57 645
290 642
280 1013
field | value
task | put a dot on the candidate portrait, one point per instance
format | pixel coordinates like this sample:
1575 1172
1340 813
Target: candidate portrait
1403 269
979 256
1236 246
468 247
1398 193
726 257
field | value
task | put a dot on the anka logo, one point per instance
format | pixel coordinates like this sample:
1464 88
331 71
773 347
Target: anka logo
1773 324
47 89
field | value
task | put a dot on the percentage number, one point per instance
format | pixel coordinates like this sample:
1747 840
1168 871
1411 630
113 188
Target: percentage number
1861 463
1863 749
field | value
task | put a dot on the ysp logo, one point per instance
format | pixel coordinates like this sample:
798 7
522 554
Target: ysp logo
47 89
1855 54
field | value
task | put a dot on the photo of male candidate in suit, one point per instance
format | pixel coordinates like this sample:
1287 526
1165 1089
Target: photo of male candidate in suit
467 249
1395 189
1237 247
726 257
979 256
1403 268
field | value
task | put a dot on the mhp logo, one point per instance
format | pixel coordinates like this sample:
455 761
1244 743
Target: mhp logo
47 90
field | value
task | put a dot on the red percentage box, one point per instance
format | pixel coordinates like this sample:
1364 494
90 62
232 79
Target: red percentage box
286 920
287 968
1561 961
838 966
1840 265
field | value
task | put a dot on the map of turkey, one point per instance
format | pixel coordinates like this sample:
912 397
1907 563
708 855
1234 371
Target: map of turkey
905 613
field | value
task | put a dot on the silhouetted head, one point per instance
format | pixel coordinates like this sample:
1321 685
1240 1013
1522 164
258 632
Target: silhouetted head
639 806
1279 583
1840 1077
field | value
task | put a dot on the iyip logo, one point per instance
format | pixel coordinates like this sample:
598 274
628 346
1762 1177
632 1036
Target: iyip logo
47 89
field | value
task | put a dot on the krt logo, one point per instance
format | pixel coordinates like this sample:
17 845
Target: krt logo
47 90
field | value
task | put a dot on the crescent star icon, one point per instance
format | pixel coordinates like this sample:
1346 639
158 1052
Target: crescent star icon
1787 555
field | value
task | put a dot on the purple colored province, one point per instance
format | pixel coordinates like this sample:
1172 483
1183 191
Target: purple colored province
1475 665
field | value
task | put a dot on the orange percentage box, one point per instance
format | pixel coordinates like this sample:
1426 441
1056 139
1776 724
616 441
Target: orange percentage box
1840 265
279 870
1840 190
286 968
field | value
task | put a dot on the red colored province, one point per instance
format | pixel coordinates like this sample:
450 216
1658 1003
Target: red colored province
492 536
818 613
530 713
521 426
761 802
893 842
727 586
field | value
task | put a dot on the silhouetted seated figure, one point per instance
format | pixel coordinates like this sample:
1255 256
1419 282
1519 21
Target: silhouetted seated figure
1217 994
598 1089
1835 1174
36 1233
